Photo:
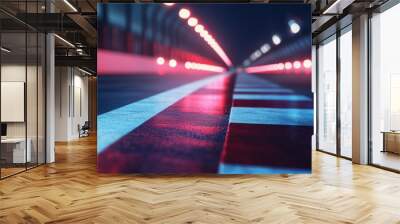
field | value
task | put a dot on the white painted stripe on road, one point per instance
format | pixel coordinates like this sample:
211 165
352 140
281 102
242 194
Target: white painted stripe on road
256 84
114 124
291 97
272 116
260 90
259 83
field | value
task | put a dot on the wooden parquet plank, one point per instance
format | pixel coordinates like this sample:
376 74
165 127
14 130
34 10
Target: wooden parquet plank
71 191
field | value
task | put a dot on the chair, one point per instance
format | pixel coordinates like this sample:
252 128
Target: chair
84 130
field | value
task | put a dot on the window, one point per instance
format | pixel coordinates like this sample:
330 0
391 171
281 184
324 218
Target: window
22 88
327 96
346 93
385 89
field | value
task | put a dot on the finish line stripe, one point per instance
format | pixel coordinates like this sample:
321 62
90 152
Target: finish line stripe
272 116
263 90
291 97
116 123
225 168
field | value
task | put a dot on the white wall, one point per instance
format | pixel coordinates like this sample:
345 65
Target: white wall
12 73
33 127
314 90
71 94
62 82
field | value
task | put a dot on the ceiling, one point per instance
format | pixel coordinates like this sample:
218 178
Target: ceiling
77 24
243 28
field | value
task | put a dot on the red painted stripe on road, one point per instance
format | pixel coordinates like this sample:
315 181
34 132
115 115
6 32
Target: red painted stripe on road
272 103
268 145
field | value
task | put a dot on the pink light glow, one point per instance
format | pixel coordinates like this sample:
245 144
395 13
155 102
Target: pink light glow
199 28
307 63
221 54
172 63
113 63
209 39
282 68
216 47
203 67
265 68
192 22
188 65
296 64
160 60
288 65
203 33
169 4
184 13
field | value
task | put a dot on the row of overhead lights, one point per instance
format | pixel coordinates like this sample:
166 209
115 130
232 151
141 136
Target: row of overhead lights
77 47
78 50
190 65
172 62
185 14
276 40
5 49
85 72
203 67
306 64
57 36
70 5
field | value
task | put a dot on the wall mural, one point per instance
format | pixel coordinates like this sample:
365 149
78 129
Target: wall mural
204 88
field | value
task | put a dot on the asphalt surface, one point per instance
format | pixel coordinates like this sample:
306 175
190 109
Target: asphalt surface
118 90
182 124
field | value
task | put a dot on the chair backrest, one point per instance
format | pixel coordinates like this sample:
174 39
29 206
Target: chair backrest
86 124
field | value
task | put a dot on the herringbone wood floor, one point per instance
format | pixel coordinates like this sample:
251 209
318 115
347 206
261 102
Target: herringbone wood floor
71 191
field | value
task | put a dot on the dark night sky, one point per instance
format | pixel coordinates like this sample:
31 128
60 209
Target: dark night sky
242 28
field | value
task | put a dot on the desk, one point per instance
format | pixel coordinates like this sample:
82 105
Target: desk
16 147
391 141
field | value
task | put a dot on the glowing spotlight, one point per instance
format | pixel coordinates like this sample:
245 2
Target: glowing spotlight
172 63
294 27
265 48
204 33
255 55
70 5
209 38
296 64
204 67
160 60
281 66
199 28
5 49
246 62
184 13
288 65
188 65
276 39
192 21
212 43
307 63
169 4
